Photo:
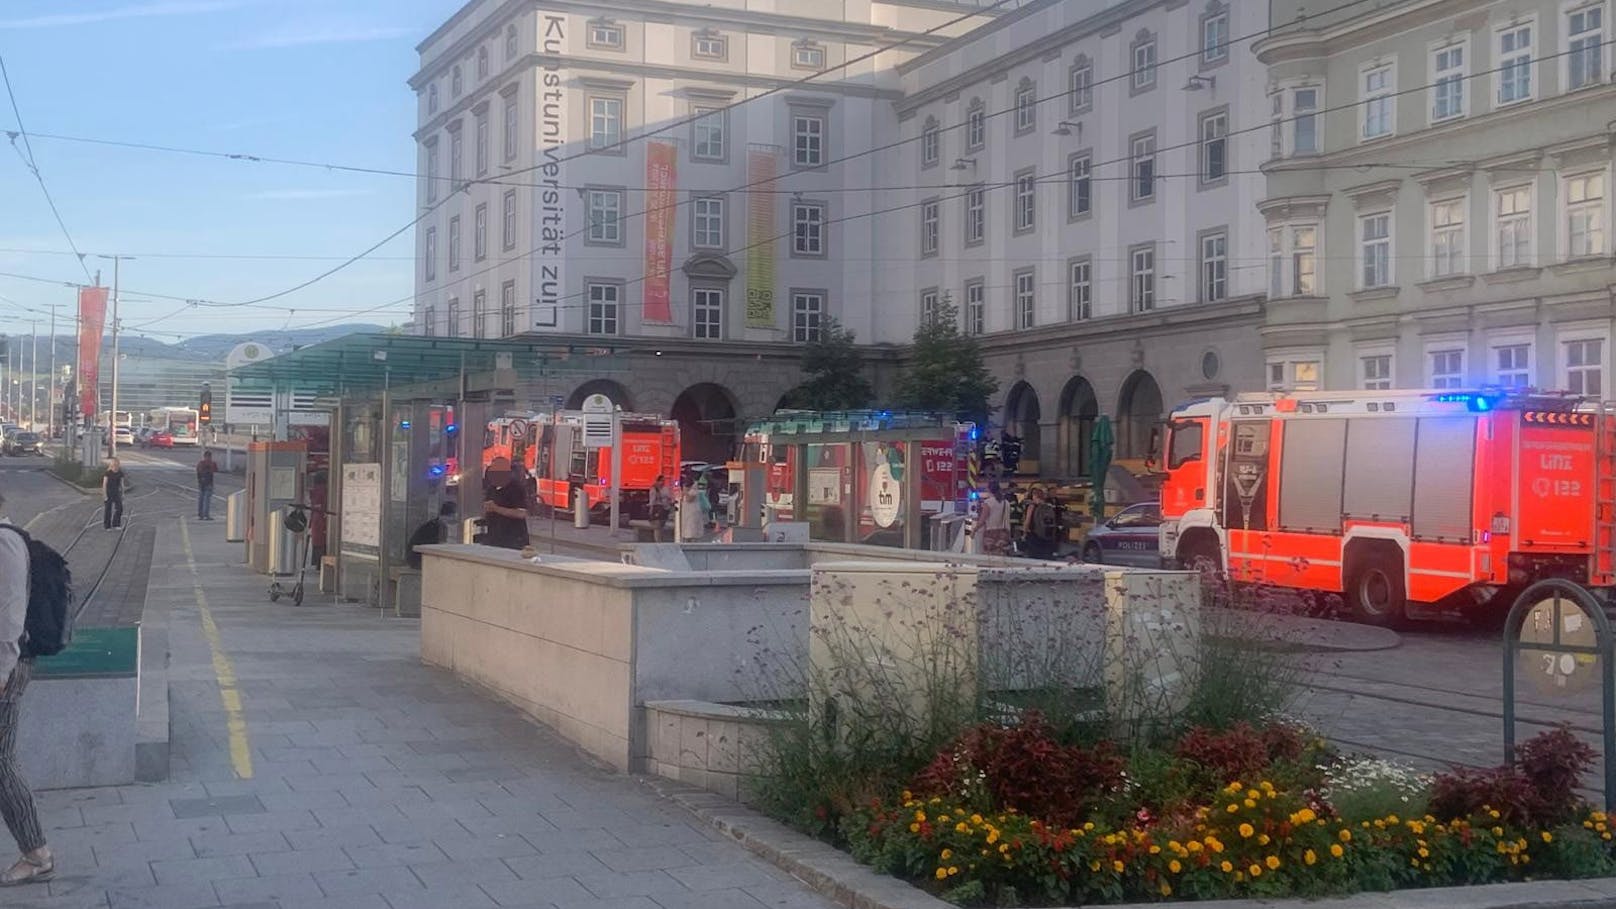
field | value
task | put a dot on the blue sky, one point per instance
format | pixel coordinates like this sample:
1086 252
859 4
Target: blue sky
315 80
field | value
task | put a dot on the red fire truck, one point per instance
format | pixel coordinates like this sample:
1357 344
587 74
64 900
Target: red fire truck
1406 502
551 447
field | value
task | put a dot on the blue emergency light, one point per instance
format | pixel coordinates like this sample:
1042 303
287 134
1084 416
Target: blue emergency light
1475 402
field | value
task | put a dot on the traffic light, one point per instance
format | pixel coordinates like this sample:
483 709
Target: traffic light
204 410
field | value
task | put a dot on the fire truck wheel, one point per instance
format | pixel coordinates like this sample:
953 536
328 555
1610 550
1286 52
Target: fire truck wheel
1377 594
1200 553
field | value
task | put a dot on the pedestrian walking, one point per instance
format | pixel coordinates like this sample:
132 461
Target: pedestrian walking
113 484
995 518
661 504
36 865
205 469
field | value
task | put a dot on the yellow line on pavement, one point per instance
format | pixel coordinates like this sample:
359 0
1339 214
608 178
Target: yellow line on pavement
223 670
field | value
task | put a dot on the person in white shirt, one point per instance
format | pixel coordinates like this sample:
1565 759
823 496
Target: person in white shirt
16 802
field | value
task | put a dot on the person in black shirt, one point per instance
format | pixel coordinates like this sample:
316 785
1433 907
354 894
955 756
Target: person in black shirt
112 487
431 533
505 506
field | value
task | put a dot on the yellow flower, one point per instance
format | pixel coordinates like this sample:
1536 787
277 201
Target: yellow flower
1548 837
920 816
942 873
1424 852
1155 849
976 818
1215 845
1233 808
1253 794
993 836
1255 870
948 854
1117 866
1335 850
1346 835
1310 857
1262 839
1414 862
1246 830
952 870
1391 819
1175 866
1251 803
1194 846
1227 867
1089 825
962 827
1166 889
914 828
1498 831
1004 848
1493 814
1272 862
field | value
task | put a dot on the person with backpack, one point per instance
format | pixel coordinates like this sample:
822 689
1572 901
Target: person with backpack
1039 526
19 616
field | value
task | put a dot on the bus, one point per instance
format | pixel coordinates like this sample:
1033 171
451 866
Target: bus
179 422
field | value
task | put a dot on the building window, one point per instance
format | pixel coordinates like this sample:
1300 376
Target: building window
1144 61
1585 367
1447 368
1026 201
1214 34
605 214
975 307
807 316
1293 375
510 43
1081 87
1512 365
507 309
709 46
1026 107
1514 59
1448 82
432 99
605 35
1375 250
429 320
1292 260
482 63
432 171
457 156
604 301
1376 90
479 315
930 229
1080 290
1214 267
808 139
457 83
431 254
482 145
1026 282
1375 372
1585 215
1447 238
452 326
928 306
1304 121
510 219
479 232
807 55
931 142
1585 60
808 229
1142 286
976 130
707 313
1514 217
512 128
605 123
708 212
707 134
1080 191
975 215
1142 165
454 243
1214 147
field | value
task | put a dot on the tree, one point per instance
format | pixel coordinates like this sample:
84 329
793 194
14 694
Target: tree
835 370
945 371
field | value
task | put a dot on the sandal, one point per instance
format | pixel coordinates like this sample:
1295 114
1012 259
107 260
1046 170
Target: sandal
29 871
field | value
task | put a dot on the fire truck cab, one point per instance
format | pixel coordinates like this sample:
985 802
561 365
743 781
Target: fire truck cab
550 446
1401 501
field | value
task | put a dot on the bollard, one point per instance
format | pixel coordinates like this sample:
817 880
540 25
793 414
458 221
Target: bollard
580 509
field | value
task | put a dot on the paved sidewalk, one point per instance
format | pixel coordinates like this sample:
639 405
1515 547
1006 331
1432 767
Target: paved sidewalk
375 783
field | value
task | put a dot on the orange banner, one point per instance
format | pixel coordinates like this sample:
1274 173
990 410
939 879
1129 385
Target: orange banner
661 162
92 318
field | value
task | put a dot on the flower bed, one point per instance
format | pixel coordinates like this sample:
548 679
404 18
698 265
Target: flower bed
1008 816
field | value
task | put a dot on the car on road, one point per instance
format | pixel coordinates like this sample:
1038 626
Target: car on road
124 435
1128 538
160 438
25 443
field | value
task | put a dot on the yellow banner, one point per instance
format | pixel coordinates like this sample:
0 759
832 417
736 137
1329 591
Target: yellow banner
761 169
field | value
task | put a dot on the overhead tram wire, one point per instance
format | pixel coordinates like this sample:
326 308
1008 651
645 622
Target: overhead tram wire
33 164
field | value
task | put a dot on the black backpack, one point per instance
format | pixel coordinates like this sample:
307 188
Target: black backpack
1043 521
49 626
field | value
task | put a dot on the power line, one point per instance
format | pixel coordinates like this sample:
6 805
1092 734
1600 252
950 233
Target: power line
33 165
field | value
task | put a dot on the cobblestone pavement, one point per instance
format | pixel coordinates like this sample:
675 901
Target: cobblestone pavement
374 782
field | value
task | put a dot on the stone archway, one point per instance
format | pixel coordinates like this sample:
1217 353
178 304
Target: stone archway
1079 409
1021 419
709 422
1139 409
607 387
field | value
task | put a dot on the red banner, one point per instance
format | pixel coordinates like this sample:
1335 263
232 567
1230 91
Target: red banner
661 160
92 318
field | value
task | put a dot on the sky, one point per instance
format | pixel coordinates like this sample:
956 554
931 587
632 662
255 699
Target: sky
313 80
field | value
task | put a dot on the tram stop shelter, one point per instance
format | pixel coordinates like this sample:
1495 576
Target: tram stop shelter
406 435
875 477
